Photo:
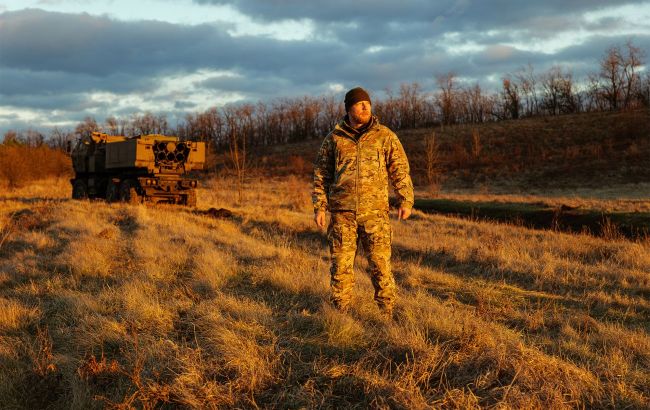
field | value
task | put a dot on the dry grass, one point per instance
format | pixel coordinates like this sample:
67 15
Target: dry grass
132 306
622 198
17 165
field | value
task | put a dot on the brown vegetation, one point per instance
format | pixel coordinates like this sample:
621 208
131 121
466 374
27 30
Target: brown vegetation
568 151
109 305
21 164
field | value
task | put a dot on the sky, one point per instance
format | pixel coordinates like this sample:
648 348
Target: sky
63 60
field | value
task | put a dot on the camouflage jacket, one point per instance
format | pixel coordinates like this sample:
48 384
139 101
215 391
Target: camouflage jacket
351 171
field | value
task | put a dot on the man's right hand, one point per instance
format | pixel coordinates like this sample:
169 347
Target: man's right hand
319 218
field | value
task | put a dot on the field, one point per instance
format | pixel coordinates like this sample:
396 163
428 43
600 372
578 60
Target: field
132 306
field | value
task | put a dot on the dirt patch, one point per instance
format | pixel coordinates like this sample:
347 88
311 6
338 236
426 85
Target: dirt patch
220 213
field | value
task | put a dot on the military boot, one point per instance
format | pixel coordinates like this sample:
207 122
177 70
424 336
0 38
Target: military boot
386 313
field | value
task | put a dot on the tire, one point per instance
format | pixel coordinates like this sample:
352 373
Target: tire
79 190
129 192
190 199
112 192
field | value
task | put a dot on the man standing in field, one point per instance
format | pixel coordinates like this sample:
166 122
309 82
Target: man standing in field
351 173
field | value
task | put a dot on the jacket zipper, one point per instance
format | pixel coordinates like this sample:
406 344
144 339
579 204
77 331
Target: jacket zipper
356 184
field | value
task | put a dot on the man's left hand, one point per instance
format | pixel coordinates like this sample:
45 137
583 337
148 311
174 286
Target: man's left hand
403 213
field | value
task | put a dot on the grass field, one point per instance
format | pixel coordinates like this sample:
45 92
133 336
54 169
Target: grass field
132 306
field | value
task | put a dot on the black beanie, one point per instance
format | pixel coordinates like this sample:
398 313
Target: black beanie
354 96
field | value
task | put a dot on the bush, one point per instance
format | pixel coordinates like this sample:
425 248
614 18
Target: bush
20 165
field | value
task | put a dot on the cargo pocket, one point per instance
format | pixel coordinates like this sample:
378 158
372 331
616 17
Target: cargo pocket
341 236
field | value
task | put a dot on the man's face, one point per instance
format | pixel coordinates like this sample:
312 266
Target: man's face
360 112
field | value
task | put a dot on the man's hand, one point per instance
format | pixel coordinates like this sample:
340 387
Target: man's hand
403 213
319 218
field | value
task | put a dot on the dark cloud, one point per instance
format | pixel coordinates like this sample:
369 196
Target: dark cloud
184 105
80 43
364 23
250 86
42 83
51 62
58 102
461 14
101 47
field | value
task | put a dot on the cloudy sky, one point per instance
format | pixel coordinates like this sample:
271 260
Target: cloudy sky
62 60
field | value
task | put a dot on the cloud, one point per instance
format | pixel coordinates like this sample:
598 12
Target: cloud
463 14
64 65
368 22
31 81
81 43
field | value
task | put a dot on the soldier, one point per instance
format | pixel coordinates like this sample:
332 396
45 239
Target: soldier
351 173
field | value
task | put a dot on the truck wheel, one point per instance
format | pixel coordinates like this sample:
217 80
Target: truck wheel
79 190
112 192
129 192
190 199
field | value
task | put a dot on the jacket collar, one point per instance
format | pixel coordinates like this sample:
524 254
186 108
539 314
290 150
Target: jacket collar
344 129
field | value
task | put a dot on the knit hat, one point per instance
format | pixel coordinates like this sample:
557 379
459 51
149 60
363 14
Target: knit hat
354 96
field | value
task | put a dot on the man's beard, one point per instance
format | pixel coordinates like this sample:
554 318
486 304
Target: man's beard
362 118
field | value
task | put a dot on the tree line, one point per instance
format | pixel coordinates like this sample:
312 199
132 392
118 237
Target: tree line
619 84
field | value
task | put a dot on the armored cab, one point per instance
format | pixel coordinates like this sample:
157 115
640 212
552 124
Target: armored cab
152 168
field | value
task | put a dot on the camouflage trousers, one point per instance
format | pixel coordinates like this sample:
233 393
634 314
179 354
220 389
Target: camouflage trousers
374 232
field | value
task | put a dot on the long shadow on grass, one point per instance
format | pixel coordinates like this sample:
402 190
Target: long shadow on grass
34 200
308 356
305 238
568 294
473 268
301 332
36 387
317 372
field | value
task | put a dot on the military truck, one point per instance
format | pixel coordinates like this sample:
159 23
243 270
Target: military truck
146 168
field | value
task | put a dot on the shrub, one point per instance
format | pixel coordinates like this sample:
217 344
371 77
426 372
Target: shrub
21 164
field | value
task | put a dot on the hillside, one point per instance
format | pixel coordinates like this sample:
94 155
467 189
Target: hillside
118 306
567 152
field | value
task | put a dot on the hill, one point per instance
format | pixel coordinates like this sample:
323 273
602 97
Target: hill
588 150
118 306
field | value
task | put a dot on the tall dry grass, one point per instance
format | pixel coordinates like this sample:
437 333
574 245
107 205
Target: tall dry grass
20 165
133 306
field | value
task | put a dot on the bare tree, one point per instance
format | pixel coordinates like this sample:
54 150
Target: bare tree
86 127
331 114
12 137
511 98
149 123
446 99
612 76
234 117
528 82
60 139
643 90
113 126
410 104
474 104
432 158
632 61
559 94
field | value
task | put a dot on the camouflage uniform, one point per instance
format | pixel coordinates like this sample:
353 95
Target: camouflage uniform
351 177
